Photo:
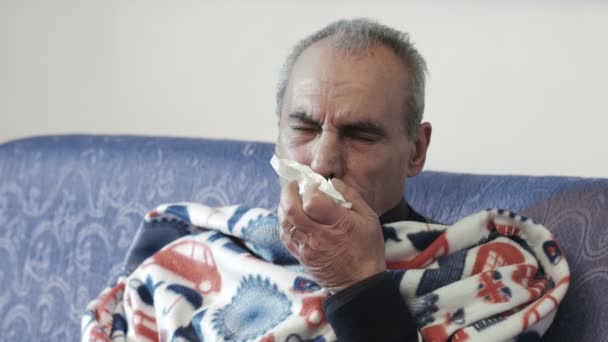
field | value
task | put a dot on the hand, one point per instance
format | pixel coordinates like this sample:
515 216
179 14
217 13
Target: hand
337 246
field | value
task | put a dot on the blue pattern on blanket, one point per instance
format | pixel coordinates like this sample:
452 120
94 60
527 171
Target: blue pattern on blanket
263 234
257 307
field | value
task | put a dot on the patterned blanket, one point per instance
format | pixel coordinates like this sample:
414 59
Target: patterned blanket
196 273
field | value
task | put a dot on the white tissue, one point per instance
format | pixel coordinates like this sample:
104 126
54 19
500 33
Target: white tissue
305 176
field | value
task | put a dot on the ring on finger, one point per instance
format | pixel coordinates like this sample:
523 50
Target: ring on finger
291 231
301 244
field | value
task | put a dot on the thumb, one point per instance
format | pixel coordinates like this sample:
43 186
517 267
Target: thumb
320 207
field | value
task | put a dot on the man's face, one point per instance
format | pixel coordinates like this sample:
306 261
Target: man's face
344 117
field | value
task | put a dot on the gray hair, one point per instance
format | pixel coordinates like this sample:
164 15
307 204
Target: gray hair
356 36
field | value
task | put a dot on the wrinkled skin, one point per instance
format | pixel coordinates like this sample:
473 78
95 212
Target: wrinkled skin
334 237
344 117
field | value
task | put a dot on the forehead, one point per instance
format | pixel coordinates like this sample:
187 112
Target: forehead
371 84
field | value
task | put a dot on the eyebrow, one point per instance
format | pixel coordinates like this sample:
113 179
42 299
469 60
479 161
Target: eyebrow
303 117
365 126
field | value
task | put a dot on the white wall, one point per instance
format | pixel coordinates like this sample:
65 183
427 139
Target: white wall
514 87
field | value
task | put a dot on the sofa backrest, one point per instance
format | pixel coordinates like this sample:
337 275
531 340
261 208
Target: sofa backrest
69 206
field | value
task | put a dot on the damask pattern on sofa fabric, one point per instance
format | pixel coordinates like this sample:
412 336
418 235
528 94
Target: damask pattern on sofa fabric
579 220
446 197
71 204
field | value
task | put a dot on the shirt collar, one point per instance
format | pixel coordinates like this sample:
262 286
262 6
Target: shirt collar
402 212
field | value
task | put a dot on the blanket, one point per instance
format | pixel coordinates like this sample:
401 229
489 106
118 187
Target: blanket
195 273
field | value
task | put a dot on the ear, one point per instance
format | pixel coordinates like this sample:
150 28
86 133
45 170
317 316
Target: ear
421 145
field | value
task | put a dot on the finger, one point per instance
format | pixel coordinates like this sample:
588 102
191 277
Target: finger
321 208
291 246
290 210
351 195
300 239
296 241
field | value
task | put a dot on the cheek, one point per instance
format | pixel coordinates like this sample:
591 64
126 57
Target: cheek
365 171
294 150
368 164
377 172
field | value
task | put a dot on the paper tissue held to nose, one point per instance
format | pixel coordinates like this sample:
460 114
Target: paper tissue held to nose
291 170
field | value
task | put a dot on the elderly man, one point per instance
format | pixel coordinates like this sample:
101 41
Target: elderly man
349 110
349 105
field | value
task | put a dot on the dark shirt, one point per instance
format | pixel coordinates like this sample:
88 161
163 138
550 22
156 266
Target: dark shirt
373 309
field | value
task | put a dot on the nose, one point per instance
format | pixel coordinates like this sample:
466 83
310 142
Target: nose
328 157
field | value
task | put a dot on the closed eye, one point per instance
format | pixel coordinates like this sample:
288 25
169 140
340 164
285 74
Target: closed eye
305 128
362 136
299 121
367 132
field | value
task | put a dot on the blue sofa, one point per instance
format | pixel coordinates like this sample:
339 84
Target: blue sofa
69 206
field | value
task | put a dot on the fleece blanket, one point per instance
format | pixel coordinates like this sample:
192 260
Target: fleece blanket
196 273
